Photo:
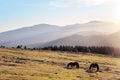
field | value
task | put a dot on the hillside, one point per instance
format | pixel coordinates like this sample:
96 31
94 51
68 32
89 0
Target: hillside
27 35
111 40
77 40
17 64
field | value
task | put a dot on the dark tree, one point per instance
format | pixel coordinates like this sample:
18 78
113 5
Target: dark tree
25 47
19 46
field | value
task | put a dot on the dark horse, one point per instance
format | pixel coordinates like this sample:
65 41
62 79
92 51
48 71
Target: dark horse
94 65
73 64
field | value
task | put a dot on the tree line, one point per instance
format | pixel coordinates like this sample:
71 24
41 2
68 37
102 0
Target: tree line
91 49
77 49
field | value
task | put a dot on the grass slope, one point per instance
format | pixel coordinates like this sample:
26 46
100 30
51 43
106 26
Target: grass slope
16 64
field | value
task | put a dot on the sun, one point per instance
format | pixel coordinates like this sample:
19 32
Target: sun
117 14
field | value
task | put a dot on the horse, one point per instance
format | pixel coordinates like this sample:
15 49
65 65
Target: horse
94 65
73 64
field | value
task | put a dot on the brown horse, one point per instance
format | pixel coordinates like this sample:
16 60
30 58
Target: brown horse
73 64
94 65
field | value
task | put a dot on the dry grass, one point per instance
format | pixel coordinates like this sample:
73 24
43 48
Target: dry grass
16 64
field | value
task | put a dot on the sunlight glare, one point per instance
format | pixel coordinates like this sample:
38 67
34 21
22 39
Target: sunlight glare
117 13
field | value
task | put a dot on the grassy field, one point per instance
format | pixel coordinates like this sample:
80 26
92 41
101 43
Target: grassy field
17 64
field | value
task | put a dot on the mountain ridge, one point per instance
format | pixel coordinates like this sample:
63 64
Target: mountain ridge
44 33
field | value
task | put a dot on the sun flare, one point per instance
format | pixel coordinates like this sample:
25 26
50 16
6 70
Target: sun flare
117 13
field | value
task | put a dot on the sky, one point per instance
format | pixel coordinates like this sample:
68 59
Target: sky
21 13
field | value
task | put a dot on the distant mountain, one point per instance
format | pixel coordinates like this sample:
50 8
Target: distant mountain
112 40
26 35
38 35
89 33
76 40
97 26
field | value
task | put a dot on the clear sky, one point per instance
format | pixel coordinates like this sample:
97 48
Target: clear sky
20 13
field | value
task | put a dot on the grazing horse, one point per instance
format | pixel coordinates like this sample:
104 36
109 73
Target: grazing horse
94 65
73 64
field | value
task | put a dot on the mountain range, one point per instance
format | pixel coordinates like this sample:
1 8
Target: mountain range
93 33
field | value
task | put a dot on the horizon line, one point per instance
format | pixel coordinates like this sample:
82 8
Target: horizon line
90 21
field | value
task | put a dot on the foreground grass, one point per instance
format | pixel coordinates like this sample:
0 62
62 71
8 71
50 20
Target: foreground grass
16 64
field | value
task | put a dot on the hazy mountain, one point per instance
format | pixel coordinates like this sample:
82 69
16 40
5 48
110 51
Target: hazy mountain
112 40
97 26
76 40
89 33
44 33
26 35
